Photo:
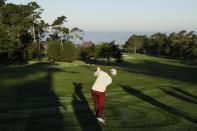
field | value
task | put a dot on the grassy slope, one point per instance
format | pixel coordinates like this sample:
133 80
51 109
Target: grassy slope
148 93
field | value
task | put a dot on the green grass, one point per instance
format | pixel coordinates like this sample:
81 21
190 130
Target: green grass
148 93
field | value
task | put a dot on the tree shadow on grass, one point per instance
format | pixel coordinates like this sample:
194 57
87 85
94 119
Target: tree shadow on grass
31 105
178 96
101 62
24 70
157 69
84 114
188 62
158 104
183 92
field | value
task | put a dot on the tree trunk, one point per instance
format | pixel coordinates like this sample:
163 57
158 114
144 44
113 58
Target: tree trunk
39 48
12 34
61 35
134 49
61 39
38 54
25 57
34 34
181 53
108 60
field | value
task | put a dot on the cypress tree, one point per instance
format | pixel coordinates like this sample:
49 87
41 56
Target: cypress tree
4 40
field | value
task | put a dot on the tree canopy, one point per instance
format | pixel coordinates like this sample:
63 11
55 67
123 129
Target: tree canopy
180 45
24 36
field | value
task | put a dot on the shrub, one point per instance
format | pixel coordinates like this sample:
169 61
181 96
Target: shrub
68 52
53 52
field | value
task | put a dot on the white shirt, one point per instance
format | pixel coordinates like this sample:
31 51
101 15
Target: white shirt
102 81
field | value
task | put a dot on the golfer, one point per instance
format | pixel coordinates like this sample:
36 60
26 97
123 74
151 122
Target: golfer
98 90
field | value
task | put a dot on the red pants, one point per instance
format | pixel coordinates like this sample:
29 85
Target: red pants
99 102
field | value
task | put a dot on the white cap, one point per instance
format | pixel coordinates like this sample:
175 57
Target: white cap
113 72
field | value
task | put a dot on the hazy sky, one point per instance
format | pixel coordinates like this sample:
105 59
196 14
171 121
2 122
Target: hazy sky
122 15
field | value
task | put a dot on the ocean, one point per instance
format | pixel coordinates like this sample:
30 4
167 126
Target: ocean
120 37
107 36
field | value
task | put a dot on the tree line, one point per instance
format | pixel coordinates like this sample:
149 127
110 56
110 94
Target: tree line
23 35
181 45
68 52
21 31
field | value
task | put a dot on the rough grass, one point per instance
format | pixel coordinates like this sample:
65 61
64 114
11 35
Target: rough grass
148 93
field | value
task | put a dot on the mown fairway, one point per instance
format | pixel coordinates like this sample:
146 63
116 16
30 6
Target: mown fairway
148 93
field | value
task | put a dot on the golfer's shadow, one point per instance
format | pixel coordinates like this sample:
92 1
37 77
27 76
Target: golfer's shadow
84 114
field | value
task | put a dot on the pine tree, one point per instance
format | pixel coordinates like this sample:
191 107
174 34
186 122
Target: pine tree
4 42
2 2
